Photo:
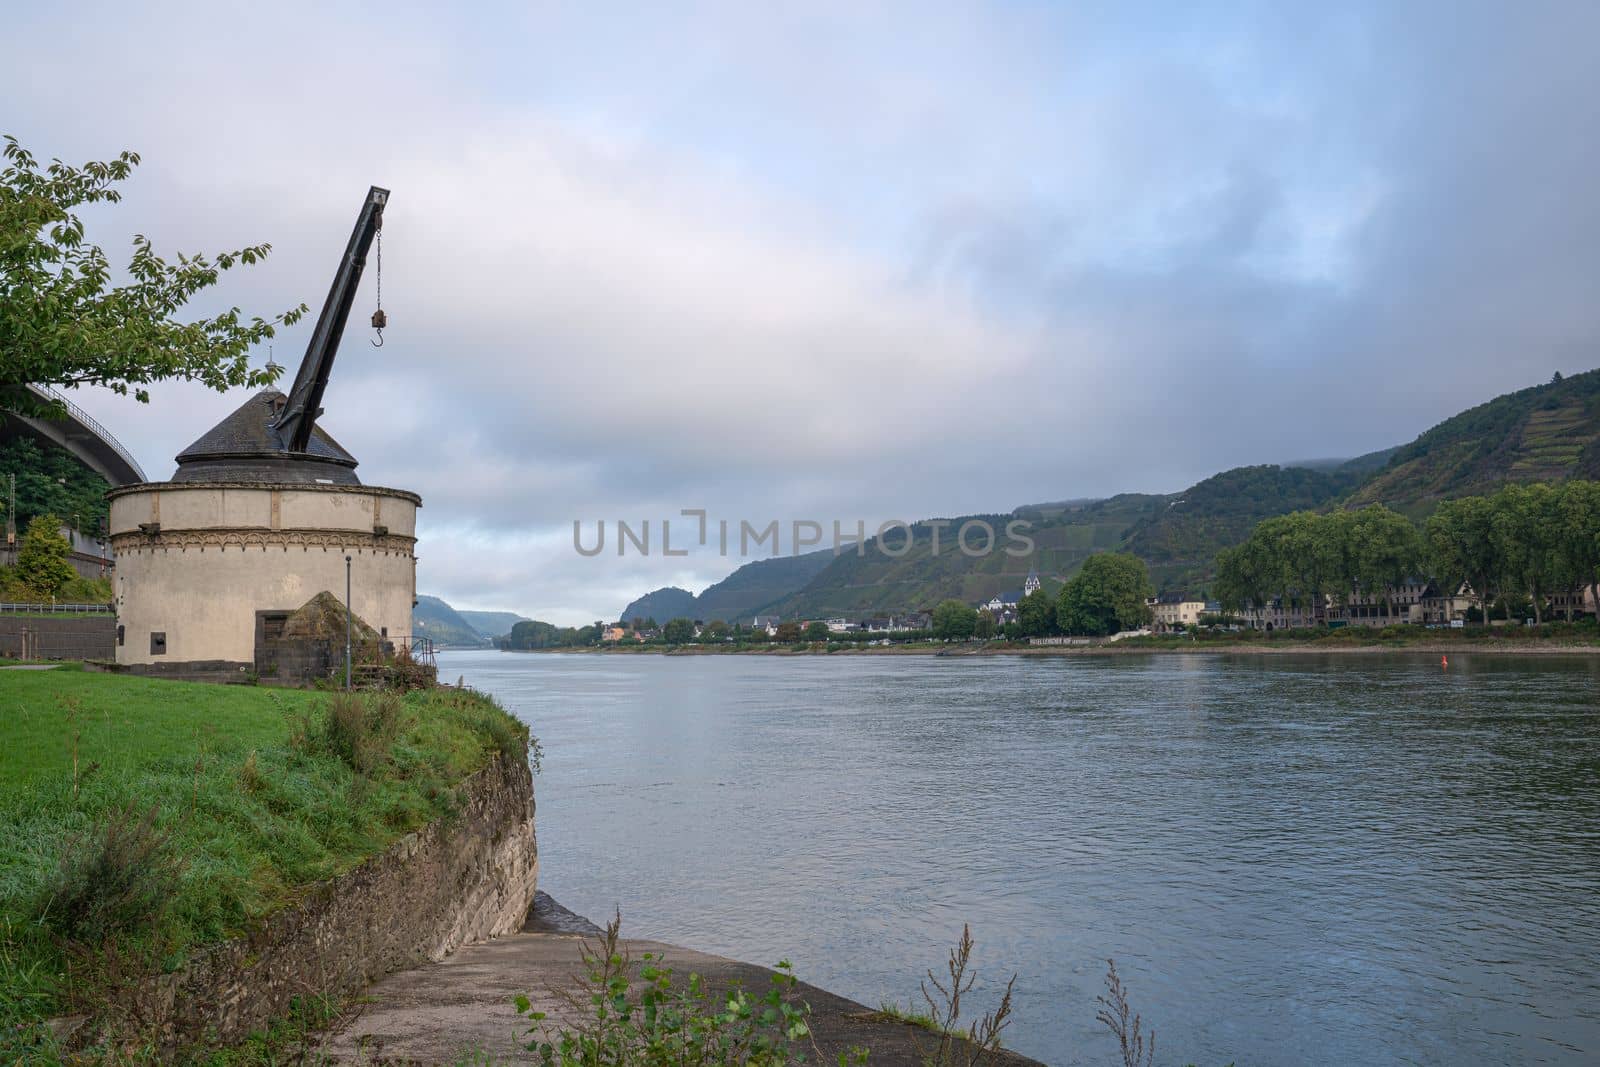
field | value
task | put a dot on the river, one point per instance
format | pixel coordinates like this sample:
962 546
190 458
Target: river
1293 859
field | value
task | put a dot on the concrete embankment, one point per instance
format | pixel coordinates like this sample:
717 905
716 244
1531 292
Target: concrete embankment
441 1012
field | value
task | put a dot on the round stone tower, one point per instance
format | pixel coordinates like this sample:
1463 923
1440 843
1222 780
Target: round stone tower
244 534
261 516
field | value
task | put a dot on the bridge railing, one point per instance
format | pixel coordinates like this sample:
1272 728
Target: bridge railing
82 416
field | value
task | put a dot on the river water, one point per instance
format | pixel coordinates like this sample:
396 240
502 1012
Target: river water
1293 859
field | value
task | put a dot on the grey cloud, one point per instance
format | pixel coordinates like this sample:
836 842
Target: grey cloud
824 267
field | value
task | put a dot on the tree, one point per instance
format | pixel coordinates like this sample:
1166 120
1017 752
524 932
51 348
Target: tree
52 480
42 557
1578 537
788 632
1527 522
816 631
1460 543
984 627
1315 559
1385 549
1243 575
1108 594
679 631
63 322
953 620
716 629
1036 614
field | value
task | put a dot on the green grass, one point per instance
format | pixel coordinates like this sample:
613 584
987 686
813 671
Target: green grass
891 1011
122 722
253 803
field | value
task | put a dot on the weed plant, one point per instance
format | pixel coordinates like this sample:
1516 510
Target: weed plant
640 1015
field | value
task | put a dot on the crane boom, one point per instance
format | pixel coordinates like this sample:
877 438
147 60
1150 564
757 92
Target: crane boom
299 416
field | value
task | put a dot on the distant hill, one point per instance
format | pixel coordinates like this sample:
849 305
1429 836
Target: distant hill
739 596
1546 433
1180 543
492 624
434 618
878 582
661 605
1055 508
754 586
1366 464
1369 463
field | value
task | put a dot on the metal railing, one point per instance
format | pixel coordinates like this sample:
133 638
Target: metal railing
55 397
53 608
416 646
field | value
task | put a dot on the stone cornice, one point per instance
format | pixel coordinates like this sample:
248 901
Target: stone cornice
261 537
298 487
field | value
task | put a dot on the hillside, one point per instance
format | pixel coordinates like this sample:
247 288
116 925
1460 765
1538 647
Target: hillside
492 624
434 618
49 480
744 593
877 582
1547 433
662 604
1180 543
752 587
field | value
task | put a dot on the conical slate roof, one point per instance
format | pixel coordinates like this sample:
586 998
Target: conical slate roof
245 447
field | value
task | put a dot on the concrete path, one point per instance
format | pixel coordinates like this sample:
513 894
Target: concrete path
460 1010
30 667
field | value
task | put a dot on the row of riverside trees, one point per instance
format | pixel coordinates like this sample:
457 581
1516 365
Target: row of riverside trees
1522 542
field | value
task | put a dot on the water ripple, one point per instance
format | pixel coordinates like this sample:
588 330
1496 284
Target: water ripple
1298 859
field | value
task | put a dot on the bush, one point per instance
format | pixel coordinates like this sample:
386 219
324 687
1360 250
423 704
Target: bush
42 557
361 729
113 882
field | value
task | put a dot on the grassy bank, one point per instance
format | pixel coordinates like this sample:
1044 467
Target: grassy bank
142 819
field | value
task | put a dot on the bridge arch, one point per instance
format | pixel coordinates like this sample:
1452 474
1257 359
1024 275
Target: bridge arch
79 434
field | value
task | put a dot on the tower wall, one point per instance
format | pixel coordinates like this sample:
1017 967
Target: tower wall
196 561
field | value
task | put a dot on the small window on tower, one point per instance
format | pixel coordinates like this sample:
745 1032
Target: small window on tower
158 643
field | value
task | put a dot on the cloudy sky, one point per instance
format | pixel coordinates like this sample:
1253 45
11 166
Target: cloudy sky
859 261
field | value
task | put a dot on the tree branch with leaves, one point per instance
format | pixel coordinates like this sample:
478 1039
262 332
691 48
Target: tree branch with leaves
65 323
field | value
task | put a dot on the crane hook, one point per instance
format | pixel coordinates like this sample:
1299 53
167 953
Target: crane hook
379 319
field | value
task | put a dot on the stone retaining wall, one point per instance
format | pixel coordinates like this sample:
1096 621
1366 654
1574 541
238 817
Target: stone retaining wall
467 877
217 671
58 636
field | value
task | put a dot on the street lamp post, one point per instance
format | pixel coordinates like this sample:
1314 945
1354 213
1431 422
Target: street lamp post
347 622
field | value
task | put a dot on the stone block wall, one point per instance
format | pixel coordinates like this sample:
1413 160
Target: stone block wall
58 637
